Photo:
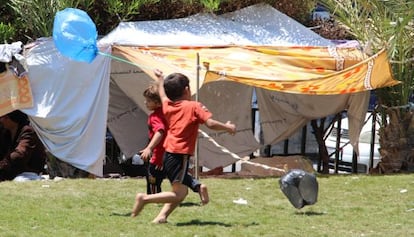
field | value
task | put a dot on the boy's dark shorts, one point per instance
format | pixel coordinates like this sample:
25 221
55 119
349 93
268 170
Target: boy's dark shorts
176 170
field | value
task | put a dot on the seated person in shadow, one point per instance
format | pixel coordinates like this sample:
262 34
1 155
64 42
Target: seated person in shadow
22 154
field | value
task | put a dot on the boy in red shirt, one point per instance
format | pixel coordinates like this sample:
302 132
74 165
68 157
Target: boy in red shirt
154 151
183 117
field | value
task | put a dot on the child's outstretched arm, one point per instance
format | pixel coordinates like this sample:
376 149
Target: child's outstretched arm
160 81
216 125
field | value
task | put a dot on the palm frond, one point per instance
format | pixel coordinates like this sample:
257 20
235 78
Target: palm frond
383 24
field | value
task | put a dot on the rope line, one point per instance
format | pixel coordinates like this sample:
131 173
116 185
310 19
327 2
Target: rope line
235 156
123 60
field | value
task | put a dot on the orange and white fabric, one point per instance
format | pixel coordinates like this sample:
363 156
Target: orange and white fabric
291 69
15 92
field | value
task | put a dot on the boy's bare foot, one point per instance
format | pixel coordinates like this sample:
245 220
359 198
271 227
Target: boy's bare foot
159 221
203 192
139 204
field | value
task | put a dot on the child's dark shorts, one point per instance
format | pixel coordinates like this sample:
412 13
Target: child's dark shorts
176 170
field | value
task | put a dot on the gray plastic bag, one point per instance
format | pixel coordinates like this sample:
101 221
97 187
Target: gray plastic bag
300 187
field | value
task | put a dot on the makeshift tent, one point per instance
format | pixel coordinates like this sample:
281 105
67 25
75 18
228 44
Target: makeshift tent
297 76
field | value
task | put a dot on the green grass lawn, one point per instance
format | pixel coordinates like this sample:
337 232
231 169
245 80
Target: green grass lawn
348 205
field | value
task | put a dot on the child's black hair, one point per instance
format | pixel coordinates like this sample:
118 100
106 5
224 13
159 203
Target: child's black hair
175 84
18 117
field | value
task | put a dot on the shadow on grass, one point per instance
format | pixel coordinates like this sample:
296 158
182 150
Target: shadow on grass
128 214
189 204
309 213
215 223
203 223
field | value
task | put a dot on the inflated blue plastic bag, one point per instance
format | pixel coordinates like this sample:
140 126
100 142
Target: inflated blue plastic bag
300 187
75 35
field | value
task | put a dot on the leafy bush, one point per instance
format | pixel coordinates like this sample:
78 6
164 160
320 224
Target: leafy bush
7 32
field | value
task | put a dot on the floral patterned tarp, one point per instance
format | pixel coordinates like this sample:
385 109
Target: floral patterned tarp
15 92
301 70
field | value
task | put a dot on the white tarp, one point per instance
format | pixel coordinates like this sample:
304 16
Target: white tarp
70 105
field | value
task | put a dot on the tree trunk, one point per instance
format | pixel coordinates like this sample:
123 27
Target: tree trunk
397 142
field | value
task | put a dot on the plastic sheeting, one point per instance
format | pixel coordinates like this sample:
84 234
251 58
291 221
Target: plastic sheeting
70 105
258 24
